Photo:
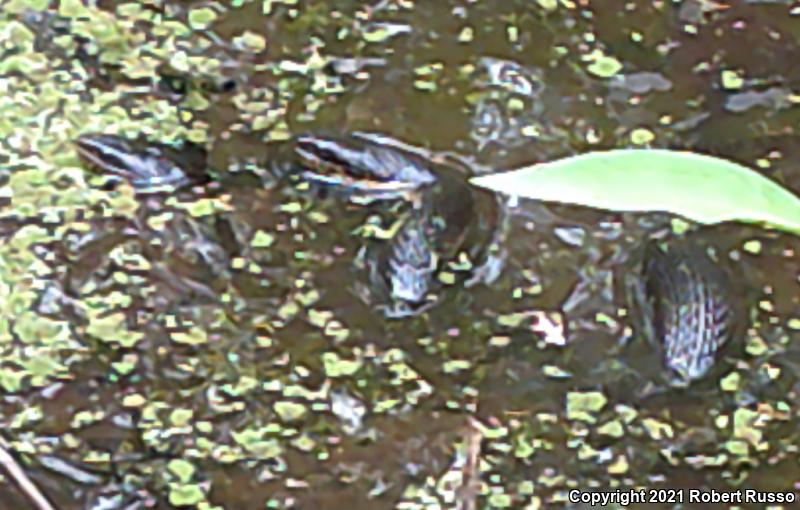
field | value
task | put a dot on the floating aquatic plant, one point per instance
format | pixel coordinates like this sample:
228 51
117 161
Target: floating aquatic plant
699 187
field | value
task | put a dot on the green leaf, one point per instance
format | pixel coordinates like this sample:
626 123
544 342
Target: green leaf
185 494
582 405
604 66
182 469
195 336
201 18
289 411
731 80
702 188
548 5
72 9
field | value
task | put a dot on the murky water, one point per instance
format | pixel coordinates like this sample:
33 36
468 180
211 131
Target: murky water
216 348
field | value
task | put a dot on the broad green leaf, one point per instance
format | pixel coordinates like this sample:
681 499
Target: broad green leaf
702 188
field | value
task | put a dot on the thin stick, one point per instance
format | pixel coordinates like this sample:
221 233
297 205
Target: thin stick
22 480
470 483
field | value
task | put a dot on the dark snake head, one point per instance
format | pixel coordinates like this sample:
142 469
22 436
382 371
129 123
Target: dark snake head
362 166
147 167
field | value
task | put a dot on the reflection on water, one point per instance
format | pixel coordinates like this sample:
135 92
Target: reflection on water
229 342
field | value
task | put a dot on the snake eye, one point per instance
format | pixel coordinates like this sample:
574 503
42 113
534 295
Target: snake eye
176 85
227 85
677 377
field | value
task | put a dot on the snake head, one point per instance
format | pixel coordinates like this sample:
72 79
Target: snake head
362 166
147 167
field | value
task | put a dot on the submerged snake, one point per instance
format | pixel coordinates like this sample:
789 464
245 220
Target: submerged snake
689 306
686 302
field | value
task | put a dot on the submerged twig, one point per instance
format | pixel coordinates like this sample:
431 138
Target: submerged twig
25 484
470 487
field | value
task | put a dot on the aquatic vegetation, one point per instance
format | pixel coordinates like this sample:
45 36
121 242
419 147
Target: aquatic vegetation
270 384
699 187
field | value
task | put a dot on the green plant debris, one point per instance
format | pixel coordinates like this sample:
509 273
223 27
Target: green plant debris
195 336
753 246
202 17
262 239
602 65
290 411
583 405
731 80
111 329
251 42
548 5
699 187
183 470
255 443
642 136
182 495
380 32
730 382
338 367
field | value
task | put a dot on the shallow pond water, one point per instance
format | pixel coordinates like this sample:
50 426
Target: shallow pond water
212 349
